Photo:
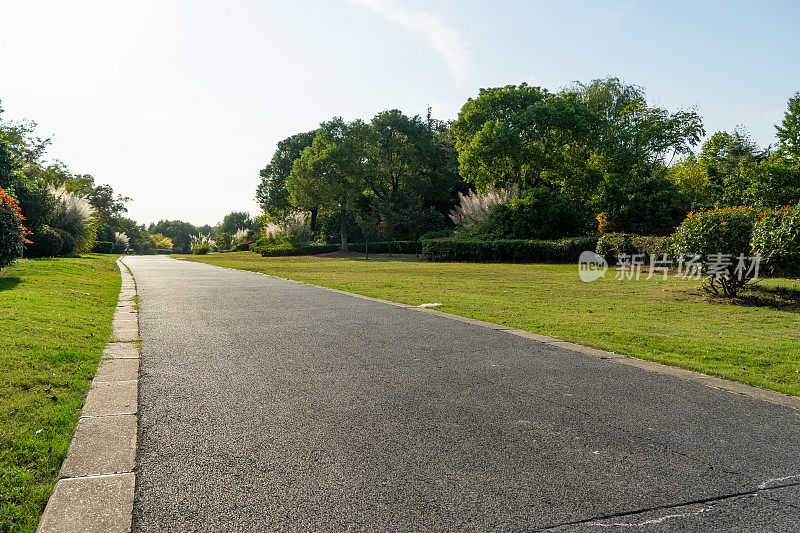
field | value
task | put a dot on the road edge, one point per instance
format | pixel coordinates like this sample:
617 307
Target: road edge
734 387
95 488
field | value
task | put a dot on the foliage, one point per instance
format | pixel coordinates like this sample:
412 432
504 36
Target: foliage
717 234
284 249
74 214
776 238
162 242
788 132
234 221
653 248
333 171
650 205
224 241
178 231
201 248
520 136
412 175
103 247
538 213
45 242
611 246
272 193
632 138
67 243
12 230
517 250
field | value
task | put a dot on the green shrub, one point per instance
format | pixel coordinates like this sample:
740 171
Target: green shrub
611 246
120 248
516 250
68 243
284 249
45 242
538 213
244 246
164 251
201 248
643 206
653 247
12 231
103 247
710 236
776 238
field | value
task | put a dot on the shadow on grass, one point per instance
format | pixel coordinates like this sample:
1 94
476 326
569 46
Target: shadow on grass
9 283
780 298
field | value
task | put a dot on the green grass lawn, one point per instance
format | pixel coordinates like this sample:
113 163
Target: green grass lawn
51 341
755 339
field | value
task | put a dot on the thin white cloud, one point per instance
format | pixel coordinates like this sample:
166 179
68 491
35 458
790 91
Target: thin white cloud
440 36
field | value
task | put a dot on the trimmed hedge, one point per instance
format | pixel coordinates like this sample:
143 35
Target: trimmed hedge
516 250
103 247
379 247
611 245
285 249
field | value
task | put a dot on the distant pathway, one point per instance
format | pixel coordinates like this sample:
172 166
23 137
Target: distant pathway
270 405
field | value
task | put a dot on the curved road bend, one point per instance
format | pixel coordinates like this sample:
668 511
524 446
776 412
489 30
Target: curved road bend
270 405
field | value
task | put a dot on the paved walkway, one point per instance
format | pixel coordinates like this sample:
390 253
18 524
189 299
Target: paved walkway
270 405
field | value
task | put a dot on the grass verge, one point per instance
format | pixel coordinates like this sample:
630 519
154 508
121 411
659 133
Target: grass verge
55 318
754 340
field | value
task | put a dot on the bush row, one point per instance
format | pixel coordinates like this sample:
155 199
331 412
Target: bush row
516 250
612 245
284 249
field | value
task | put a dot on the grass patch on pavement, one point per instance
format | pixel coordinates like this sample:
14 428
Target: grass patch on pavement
51 340
755 339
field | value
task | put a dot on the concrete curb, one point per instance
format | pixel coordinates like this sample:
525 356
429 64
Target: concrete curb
95 489
734 387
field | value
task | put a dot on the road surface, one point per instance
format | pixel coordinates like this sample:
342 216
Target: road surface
271 405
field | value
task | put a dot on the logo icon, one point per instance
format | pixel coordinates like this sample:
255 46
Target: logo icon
591 266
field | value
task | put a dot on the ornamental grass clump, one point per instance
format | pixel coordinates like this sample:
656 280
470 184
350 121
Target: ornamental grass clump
719 242
297 228
75 215
202 244
473 207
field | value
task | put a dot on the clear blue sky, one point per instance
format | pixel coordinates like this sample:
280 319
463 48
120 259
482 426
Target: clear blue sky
178 104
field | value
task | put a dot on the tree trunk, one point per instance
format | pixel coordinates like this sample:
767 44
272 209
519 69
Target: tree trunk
314 220
343 231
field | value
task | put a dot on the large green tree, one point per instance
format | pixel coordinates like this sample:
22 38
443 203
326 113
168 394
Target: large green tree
788 131
632 137
333 172
180 232
412 176
521 136
272 194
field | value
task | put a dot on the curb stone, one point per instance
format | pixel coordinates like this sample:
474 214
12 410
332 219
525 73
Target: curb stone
95 489
734 387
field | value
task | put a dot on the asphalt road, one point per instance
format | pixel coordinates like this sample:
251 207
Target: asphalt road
270 405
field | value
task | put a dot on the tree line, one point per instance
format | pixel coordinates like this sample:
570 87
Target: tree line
591 158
